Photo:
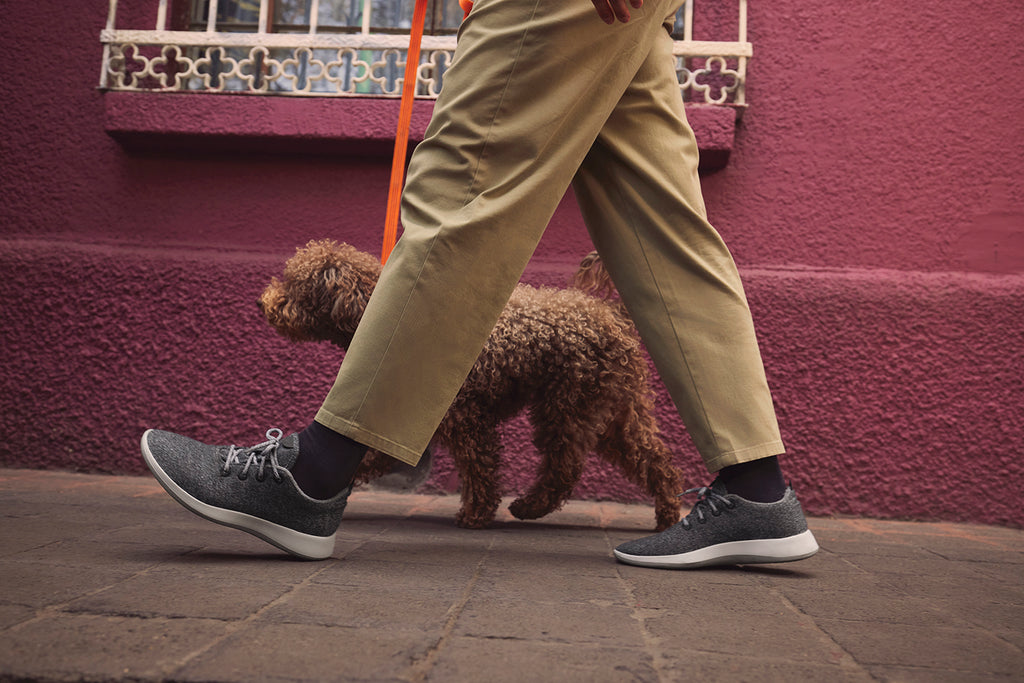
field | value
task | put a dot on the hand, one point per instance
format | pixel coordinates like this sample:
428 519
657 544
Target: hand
610 10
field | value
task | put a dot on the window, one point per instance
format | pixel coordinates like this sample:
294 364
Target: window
349 48
339 16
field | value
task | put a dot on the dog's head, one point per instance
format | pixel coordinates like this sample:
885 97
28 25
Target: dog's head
322 294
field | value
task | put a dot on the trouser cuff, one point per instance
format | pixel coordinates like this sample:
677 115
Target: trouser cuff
368 438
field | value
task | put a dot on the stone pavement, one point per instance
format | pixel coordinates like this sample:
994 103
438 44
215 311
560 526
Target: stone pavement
106 578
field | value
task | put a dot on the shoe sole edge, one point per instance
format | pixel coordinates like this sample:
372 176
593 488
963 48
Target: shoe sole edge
756 551
305 546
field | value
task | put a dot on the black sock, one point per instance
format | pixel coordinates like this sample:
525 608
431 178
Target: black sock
758 480
327 461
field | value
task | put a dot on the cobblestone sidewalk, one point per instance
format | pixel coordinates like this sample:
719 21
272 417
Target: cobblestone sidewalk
108 579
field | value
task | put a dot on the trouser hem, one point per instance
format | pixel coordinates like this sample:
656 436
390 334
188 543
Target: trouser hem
764 450
368 438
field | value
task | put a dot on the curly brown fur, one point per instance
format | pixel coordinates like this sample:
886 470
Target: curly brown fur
571 360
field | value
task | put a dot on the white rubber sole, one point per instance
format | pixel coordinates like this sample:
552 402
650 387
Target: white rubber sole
306 546
760 551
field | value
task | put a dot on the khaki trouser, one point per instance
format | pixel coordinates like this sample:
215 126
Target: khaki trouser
543 94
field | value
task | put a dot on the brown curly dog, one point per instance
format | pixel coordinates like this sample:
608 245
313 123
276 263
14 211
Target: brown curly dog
571 360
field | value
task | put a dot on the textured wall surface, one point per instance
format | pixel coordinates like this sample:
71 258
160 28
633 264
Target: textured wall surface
874 199
889 404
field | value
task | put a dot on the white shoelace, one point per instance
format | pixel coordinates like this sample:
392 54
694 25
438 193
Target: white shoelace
257 457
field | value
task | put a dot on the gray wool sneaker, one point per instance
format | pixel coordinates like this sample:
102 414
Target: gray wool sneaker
250 489
723 528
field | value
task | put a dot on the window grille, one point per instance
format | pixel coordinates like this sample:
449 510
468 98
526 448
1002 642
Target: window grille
345 48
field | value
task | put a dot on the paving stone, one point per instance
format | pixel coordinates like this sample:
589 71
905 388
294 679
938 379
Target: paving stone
853 544
896 528
170 592
1013 636
429 528
854 582
986 614
683 666
775 635
902 674
984 555
734 576
879 608
21 533
489 617
515 661
301 652
88 647
1009 575
382 575
417 609
270 566
946 587
180 527
415 553
14 614
935 647
495 579
975 548
690 596
38 585
533 561
827 560
918 565
546 537
90 553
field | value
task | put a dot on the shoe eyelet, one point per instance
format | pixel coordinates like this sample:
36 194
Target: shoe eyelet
242 476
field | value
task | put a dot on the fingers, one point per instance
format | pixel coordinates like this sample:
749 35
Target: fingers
610 10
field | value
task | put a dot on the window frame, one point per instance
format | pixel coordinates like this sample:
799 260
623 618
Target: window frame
171 58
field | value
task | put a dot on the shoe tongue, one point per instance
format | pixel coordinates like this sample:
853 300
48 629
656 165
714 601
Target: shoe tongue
718 487
288 451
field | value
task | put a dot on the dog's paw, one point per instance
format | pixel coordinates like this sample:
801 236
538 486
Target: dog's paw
521 509
467 520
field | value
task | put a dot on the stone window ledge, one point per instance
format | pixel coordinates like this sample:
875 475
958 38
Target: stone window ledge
204 123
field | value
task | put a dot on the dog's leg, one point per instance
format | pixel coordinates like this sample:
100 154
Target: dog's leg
476 455
631 442
373 466
563 440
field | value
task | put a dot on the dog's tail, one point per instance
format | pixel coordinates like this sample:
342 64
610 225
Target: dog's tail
592 278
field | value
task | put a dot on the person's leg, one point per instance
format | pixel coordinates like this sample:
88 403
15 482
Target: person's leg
532 84
640 195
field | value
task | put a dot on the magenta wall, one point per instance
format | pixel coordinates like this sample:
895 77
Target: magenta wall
873 198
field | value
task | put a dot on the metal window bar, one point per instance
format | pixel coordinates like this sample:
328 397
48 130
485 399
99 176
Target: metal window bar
351 61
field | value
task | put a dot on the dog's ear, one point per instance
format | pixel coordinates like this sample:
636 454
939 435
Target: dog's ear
350 289
342 284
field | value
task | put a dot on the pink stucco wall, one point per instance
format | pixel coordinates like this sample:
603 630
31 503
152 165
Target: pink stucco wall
873 198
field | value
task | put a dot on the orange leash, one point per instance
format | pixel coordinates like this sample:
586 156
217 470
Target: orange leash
412 62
